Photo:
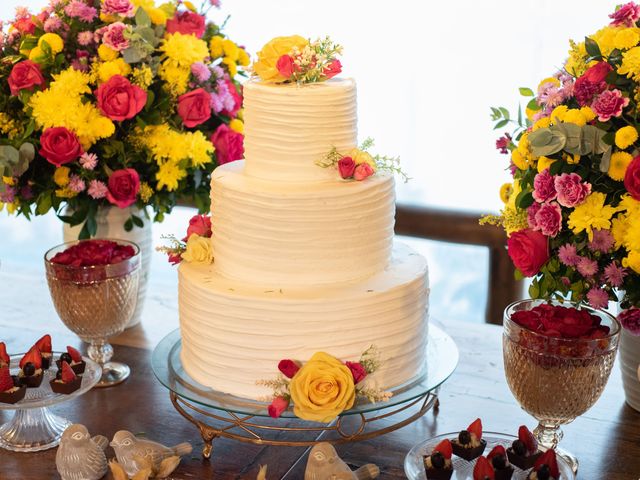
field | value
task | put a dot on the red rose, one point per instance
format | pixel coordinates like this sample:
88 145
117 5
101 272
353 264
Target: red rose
119 100
25 76
278 405
591 82
200 225
632 178
25 25
237 98
194 107
333 69
357 370
59 146
630 319
229 144
346 167
286 66
529 251
187 23
288 368
124 186
362 171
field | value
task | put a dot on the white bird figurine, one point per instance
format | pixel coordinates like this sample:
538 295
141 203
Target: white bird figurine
325 464
81 457
131 450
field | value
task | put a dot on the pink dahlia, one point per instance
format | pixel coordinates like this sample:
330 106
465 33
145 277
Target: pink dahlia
627 15
85 38
609 104
568 255
587 267
614 274
544 187
598 298
549 219
602 241
571 189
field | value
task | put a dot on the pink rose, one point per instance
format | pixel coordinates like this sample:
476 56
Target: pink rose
630 319
363 171
237 99
549 219
194 107
229 144
333 69
346 167
543 187
591 83
25 75
288 368
627 15
123 8
113 36
124 186
59 146
286 66
187 23
609 104
119 100
632 178
278 405
571 189
529 251
200 225
357 370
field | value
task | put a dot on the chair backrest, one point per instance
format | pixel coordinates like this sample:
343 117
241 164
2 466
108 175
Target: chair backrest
462 227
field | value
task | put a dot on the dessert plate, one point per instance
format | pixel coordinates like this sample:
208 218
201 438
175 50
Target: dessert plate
463 470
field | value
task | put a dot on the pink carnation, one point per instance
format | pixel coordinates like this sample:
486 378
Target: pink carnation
80 10
602 241
531 215
609 104
113 36
549 219
503 142
568 255
544 187
587 267
627 15
97 189
571 190
630 319
123 8
614 274
598 298
85 38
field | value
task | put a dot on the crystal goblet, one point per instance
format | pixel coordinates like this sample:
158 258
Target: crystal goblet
556 379
96 302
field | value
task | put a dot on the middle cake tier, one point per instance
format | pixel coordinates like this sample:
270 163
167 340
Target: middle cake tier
300 234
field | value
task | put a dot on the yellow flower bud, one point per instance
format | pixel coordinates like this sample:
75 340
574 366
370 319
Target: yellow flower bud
53 40
106 54
236 125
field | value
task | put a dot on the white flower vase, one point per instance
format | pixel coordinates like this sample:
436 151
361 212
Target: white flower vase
629 361
110 222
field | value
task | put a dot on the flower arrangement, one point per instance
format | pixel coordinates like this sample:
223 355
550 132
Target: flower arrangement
358 164
195 247
295 59
572 212
323 387
115 103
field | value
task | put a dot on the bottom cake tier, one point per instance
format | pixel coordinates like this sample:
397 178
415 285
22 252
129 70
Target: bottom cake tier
234 334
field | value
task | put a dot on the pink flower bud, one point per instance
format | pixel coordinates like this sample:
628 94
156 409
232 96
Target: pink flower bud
346 167
278 405
288 368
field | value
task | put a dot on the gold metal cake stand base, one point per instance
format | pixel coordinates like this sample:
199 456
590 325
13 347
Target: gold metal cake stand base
258 430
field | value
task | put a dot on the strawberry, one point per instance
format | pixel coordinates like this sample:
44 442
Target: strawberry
526 437
548 458
444 447
68 375
496 451
44 344
33 356
483 470
476 428
76 356
4 357
6 382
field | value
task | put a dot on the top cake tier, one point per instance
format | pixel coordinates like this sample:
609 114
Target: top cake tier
289 127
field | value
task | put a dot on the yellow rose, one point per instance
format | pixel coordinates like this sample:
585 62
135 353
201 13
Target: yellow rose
54 41
265 67
322 389
360 156
198 250
106 54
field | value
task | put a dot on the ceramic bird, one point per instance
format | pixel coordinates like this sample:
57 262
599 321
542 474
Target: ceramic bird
135 453
325 464
81 457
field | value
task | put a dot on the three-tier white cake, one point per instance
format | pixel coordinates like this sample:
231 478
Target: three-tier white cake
304 261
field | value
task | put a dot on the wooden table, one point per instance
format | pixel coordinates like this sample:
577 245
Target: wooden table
606 439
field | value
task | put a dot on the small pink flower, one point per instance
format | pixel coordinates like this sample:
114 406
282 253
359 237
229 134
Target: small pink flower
22 12
346 167
609 104
215 3
200 71
114 36
123 8
549 219
587 267
571 189
52 24
627 15
85 38
503 142
8 195
97 189
88 160
602 241
76 184
278 405
363 171
598 298
544 187
357 370
79 9
630 319
568 255
614 274
531 215
288 368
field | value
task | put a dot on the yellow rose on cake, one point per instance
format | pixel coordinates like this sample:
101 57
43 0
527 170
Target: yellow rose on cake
268 57
198 250
322 389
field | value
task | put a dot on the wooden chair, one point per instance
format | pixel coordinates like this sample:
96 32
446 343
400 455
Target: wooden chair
462 227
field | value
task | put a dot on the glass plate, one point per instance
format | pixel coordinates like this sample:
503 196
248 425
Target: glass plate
442 359
43 396
463 470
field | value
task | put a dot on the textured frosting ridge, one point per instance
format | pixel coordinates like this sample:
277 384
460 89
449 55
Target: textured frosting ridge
235 333
289 127
300 234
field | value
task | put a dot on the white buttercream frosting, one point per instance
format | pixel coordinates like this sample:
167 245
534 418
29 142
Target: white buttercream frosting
289 127
300 234
235 333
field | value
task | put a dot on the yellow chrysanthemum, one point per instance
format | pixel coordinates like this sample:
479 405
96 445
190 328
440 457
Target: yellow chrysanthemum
53 40
168 145
243 57
605 38
198 148
190 6
629 205
516 188
106 70
231 50
544 163
619 230
506 190
632 261
158 15
626 38
231 66
618 165
176 78
106 54
575 64
630 63
626 136
558 113
236 125
575 116
169 176
216 46
184 50
61 176
146 192
588 113
65 193
632 236
591 214
71 83
543 122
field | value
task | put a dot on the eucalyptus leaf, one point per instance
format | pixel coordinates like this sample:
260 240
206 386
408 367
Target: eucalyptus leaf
9 158
573 138
134 54
547 141
605 161
148 35
142 18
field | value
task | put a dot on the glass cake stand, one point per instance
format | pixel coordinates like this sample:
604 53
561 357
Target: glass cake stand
248 420
33 427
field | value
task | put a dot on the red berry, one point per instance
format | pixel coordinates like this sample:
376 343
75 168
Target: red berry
476 428
33 356
483 470
6 382
76 356
497 450
68 375
548 458
526 437
44 344
4 357
445 448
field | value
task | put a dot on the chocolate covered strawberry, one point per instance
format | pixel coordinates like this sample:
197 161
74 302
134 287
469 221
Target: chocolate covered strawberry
500 463
469 443
66 380
524 451
9 391
546 467
438 465
44 345
4 356
483 470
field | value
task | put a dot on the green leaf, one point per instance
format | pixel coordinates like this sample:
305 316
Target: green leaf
142 18
534 289
547 141
500 124
128 225
555 168
84 233
524 200
9 159
518 275
91 225
43 204
533 105
605 161
519 115
592 48
137 221
526 92
134 54
150 98
505 113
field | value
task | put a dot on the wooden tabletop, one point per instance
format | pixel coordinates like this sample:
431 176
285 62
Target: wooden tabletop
606 439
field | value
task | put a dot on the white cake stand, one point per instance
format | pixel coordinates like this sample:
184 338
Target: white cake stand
33 426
